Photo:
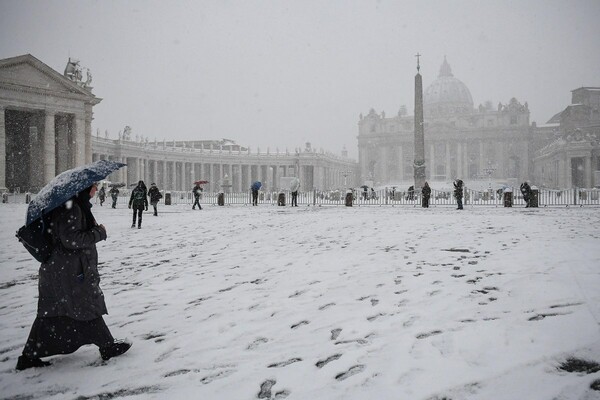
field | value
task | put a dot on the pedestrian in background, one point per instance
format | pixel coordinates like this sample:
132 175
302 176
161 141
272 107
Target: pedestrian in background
526 191
70 301
114 194
411 193
155 197
426 192
197 191
458 193
102 195
139 203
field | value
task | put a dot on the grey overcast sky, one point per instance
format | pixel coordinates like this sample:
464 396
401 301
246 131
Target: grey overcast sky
280 73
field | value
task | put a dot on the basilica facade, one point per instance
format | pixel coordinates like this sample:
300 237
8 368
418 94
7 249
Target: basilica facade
461 141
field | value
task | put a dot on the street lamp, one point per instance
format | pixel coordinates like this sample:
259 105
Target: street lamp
345 174
489 171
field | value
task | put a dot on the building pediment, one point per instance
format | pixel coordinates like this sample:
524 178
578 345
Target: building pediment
28 73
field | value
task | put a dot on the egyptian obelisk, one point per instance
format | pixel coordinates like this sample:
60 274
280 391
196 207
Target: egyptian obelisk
419 156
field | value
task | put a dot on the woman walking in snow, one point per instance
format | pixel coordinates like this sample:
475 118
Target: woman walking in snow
70 301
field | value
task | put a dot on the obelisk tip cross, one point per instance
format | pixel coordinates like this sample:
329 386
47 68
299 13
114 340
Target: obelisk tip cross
418 65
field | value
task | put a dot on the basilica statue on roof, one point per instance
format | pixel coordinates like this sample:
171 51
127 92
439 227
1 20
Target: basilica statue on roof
461 141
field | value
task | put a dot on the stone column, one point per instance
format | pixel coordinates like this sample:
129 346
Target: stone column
79 139
2 150
588 171
183 178
459 174
249 174
174 176
211 178
432 161
481 160
88 134
400 164
163 180
448 164
49 147
465 161
384 165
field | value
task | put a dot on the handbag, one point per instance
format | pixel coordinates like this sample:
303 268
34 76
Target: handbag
36 240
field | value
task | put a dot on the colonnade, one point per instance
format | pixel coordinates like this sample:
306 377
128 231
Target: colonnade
177 168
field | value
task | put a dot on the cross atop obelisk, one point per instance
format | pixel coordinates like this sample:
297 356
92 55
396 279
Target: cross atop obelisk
419 155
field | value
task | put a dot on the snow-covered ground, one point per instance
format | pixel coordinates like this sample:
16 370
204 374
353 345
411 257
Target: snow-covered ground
326 303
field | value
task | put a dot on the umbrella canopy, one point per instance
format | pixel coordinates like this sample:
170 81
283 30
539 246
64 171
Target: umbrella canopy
256 185
200 182
66 185
364 187
117 185
294 184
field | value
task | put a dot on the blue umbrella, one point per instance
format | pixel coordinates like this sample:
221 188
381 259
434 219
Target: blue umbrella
256 185
66 185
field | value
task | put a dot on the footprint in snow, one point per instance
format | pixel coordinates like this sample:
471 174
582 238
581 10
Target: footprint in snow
351 371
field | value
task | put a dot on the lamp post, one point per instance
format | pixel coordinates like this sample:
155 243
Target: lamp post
489 171
345 174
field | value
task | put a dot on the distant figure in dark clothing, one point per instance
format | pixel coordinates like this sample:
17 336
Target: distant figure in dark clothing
254 197
70 301
139 203
114 194
526 191
365 192
411 193
197 190
102 195
295 198
155 197
426 192
458 193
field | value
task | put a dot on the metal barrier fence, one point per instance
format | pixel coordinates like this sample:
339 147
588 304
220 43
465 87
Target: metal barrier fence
382 197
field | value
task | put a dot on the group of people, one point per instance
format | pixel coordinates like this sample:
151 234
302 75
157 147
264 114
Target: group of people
114 194
426 193
138 201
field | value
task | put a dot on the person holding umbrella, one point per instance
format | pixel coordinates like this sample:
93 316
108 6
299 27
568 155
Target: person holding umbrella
294 186
70 301
197 190
139 202
255 186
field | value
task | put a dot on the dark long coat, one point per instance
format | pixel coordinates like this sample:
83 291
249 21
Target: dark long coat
154 194
69 282
139 202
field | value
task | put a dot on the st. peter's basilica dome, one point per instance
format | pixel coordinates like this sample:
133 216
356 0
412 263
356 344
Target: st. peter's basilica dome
447 95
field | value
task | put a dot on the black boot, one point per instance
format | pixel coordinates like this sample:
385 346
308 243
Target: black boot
25 362
115 349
